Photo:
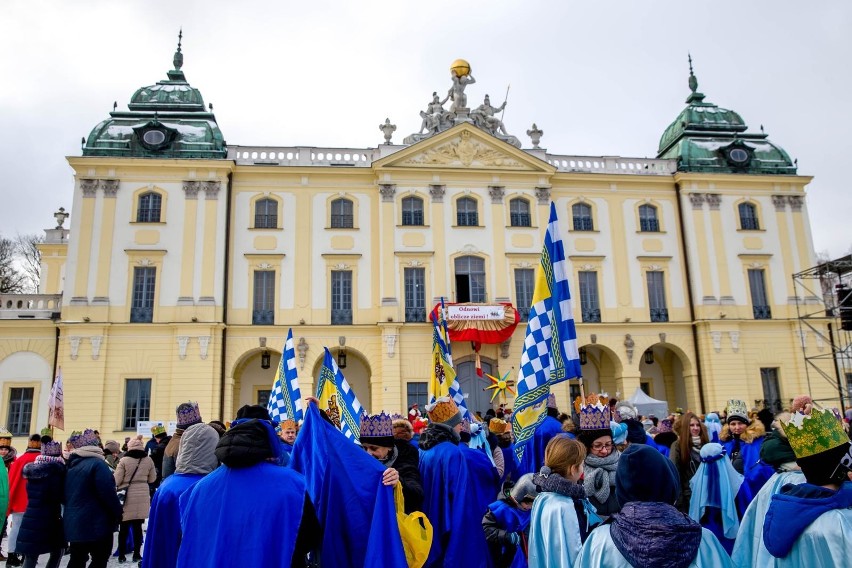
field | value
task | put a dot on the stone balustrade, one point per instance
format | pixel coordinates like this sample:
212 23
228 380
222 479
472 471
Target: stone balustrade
29 306
611 165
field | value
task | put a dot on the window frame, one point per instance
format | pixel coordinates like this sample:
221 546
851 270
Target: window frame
342 220
12 404
126 410
649 223
418 385
263 304
412 222
483 286
270 220
657 301
139 312
521 304
752 219
520 218
341 315
758 290
145 214
590 304
586 222
464 218
414 293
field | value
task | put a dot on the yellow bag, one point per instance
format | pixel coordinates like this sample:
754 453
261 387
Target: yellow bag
415 530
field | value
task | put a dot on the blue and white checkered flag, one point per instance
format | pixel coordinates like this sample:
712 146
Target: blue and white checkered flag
337 398
285 400
550 346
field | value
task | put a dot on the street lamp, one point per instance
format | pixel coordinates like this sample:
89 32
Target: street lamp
649 357
341 358
583 356
265 359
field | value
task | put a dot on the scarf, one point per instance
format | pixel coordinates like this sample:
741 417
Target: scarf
599 475
549 482
696 441
391 457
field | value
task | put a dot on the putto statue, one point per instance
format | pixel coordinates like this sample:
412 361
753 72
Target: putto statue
436 118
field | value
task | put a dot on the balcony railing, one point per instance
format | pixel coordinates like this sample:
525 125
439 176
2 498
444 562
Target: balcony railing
659 314
341 317
263 317
415 315
591 316
30 306
762 313
141 315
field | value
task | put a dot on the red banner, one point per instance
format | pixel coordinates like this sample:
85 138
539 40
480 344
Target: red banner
489 331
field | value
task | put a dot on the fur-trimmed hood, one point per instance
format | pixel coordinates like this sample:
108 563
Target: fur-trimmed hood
754 431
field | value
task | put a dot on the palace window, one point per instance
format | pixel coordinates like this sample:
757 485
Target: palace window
519 213
142 301
150 204
263 310
759 299
137 402
648 222
657 296
748 217
417 393
589 300
582 214
341 297
771 391
341 214
415 294
20 411
470 279
467 214
412 211
266 214
524 286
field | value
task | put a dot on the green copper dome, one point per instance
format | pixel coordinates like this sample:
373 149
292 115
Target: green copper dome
165 120
707 138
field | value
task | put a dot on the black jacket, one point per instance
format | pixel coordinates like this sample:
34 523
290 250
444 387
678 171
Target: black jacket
92 509
407 463
499 541
41 527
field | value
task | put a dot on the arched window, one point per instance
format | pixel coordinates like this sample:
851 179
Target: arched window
582 214
341 214
648 222
466 212
266 214
149 207
412 211
748 217
470 279
519 213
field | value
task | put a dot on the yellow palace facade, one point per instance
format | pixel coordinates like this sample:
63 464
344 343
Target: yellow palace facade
187 261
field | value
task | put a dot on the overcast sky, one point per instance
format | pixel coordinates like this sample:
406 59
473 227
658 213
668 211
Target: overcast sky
600 78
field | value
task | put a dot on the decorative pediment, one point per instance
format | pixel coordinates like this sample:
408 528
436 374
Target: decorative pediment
465 146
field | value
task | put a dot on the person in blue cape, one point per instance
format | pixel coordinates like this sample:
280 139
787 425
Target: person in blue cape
649 531
507 522
812 522
448 500
533 457
196 458
286 431
713 499
222 516
742 439
401 459
352 500
502 432
486 481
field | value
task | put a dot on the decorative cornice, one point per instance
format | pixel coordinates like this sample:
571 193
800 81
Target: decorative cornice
211 190
796 202
387 191
89 187
496 192
697 200
542 193
437 192
110 187
190 189
780 202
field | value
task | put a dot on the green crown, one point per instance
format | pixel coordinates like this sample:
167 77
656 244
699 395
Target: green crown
815 433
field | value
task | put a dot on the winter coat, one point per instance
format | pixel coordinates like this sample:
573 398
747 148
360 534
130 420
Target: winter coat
138 501
170 454
92 509
17 483
407 464
41 527
686 471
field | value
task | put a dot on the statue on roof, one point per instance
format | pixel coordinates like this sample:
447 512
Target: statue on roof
484 117
460 74
435 117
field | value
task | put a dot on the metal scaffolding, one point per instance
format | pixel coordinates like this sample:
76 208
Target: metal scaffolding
817 307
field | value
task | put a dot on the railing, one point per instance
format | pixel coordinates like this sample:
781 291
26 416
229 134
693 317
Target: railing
30 306
520 219
659 314
612 165
141 315
415 315
341 317
303 156
591 316
762 312
262 317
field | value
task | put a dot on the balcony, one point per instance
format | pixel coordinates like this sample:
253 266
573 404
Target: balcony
30 306
659 315
762 313
141 315
262 317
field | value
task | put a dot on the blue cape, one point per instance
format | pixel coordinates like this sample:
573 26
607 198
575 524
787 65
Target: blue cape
756 472
485 480
355 509
512 519
533 457
163 537
510 467
450 506
216 514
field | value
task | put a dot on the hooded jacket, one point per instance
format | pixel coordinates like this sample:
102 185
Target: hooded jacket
92 509
41 527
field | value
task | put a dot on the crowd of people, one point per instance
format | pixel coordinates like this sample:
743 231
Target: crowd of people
599 486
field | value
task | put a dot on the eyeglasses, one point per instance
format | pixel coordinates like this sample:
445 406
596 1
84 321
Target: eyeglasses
598 447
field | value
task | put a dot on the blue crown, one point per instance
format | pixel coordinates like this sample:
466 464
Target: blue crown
376 426
85 438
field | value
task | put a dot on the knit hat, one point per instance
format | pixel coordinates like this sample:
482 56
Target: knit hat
187 414
51 449
619 432
635 431
135 444
444 411
253 411
158 429
737 410
820 444
377 430
112 447
85 438
644 474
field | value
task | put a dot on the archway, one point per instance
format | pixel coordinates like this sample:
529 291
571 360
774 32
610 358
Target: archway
601 370
253 383
664 375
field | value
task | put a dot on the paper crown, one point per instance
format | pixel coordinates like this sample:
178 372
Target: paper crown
376 426
815 433
288 424
51 449
665 425
498 426
85 438
5 434
47 431
187 414
444 411
397 416
551 401
737 409
594 412
158 429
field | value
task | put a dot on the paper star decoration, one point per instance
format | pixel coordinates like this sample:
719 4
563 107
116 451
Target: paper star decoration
501 385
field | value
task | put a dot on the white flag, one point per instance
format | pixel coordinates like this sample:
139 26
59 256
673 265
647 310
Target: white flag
56 407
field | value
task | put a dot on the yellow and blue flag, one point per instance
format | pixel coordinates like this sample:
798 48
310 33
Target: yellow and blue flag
285 400
337 398
443 381
550 346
